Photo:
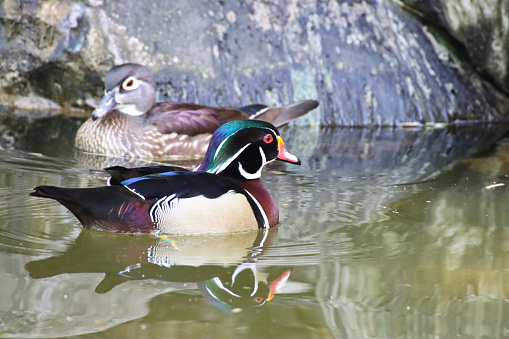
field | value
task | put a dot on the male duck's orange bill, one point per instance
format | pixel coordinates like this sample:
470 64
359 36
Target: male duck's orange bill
284 155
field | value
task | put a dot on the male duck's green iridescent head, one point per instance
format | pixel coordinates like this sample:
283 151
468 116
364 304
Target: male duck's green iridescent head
241 148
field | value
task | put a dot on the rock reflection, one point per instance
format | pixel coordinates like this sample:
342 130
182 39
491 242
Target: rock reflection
408 155
434 265
348 173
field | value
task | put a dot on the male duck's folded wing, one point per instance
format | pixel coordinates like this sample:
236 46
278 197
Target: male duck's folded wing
182 185
120 173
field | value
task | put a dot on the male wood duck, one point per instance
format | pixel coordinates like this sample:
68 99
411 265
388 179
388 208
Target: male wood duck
129 123
223 194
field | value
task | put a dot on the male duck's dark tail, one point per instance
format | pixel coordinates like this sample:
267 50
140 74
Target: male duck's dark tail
280 116
109 208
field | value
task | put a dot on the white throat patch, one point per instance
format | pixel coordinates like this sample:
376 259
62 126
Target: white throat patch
129 109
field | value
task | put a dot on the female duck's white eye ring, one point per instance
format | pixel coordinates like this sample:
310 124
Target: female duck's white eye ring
130 83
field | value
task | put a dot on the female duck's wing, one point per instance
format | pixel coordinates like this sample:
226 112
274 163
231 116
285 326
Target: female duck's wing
190 119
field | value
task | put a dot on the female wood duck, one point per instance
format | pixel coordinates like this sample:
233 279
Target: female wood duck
223 194
128 122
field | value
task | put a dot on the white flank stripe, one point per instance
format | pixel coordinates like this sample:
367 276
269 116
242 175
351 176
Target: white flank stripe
162 208
265 219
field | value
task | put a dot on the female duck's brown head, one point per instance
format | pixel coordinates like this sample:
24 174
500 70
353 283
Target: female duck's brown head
130 89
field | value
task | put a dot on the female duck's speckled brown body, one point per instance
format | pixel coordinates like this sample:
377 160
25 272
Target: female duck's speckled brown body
124 135
129 123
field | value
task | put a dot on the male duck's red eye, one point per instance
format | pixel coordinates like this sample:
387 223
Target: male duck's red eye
268 138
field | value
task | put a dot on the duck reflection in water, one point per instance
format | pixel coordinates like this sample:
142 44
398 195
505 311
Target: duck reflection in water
223 266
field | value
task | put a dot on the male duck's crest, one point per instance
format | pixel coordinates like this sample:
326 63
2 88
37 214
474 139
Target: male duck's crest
224 194
129 122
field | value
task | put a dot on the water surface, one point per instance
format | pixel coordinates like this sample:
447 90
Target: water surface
385 233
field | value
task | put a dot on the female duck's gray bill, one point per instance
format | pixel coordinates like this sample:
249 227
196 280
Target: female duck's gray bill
107 104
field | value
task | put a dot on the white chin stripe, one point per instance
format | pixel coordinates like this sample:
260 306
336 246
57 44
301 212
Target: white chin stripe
257 174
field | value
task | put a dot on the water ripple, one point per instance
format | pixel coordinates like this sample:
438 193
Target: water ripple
303 254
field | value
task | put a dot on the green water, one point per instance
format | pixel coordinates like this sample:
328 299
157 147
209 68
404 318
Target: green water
385 233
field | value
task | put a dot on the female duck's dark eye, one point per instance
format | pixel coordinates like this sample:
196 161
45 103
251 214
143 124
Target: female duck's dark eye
130 83
268 138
